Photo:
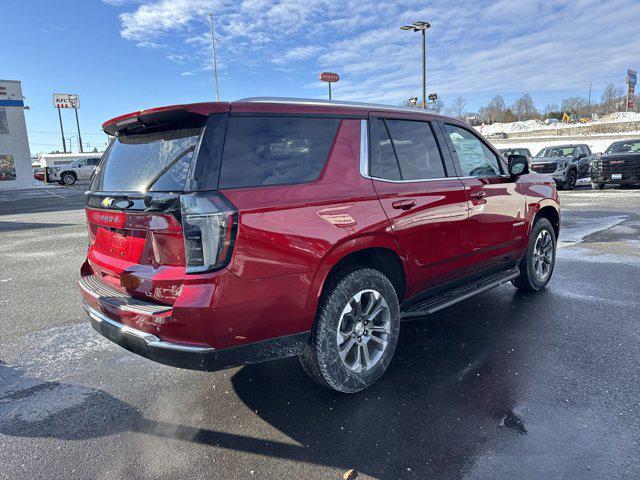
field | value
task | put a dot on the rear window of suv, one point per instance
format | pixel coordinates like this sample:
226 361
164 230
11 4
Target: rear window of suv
260 151
157 162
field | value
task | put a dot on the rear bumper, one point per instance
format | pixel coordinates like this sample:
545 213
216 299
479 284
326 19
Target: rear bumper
194 357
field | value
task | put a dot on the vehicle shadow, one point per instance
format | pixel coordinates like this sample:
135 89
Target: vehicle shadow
452 384
41 200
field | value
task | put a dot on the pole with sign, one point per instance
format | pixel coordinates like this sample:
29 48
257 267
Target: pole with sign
330 78
68 100
632 80
64 143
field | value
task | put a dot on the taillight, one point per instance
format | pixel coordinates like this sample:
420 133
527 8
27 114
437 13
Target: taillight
209 223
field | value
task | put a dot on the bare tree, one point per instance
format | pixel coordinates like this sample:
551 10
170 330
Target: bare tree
576 105
524 108
496 111
458 107
612 98
438 106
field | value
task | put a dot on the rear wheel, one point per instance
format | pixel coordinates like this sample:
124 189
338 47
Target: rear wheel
355 333
538 263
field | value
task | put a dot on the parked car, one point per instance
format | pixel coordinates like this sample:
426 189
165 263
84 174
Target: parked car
80 169
223 234
565 163
38 174
619 164
516 151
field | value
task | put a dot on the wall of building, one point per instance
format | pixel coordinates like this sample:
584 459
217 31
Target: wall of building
15 158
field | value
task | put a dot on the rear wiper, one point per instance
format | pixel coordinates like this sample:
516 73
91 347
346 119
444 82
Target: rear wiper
169 165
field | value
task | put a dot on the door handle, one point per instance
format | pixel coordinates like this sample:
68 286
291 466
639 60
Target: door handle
404 204
478 195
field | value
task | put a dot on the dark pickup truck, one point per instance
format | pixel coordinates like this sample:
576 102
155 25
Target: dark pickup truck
619 164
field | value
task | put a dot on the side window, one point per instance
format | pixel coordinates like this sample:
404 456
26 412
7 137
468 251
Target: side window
407 151
275 150
385 165
476 159
416 148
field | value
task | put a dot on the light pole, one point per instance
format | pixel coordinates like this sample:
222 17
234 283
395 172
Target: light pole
421 27
215 62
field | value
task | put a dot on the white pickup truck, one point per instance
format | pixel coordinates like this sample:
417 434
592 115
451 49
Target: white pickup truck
80 169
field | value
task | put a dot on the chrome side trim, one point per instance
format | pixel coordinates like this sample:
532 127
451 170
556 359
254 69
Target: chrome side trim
364 149
421 180
150 339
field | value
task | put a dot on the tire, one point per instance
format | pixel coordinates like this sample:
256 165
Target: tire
339 339
597 186
572 178
68 179
529 278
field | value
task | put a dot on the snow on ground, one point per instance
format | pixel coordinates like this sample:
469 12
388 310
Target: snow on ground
532 125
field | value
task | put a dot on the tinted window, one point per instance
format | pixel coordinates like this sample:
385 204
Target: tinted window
275 150
155 162
408 151
416 149
384 163
476 159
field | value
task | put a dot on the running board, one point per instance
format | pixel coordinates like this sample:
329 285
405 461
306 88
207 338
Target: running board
446 299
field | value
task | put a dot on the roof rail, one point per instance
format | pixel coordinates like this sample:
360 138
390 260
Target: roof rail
332 103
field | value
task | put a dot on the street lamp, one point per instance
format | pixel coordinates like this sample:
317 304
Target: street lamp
421 27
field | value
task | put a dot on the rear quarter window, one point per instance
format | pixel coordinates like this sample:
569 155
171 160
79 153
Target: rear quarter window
261 151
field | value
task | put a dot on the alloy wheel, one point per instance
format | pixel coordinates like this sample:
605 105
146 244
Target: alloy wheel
543 255
363 331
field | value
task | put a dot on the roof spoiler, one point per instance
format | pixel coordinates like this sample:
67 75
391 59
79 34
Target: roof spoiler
180 116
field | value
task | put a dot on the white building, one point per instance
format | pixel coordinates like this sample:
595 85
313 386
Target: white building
15 159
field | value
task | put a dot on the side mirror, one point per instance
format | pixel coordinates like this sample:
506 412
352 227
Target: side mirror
518 165
582 155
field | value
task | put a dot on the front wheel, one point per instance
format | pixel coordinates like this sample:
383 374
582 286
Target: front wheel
68 179
355 333
539 260
572 178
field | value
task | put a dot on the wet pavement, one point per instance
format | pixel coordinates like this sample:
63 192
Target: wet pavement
504 385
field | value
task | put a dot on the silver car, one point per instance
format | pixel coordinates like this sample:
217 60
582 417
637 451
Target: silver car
80 169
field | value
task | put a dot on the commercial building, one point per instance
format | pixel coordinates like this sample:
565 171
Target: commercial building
15 159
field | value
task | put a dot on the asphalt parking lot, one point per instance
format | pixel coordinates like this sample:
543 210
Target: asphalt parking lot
504 385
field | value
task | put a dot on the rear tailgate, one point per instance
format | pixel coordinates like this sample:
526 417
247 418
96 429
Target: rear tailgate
133 210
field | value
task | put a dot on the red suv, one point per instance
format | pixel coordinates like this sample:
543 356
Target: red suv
223 234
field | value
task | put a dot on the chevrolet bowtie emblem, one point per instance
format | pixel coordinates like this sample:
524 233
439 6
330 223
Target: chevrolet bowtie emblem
107 201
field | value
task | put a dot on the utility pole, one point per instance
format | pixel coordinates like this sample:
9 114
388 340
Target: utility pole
64 143
215 63
421 27
79 136
589 107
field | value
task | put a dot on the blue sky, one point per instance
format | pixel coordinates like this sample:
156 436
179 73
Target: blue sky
123 55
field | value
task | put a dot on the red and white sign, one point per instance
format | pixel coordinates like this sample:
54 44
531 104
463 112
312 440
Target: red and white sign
66 100
329 77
